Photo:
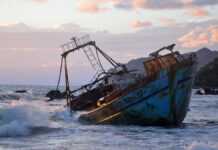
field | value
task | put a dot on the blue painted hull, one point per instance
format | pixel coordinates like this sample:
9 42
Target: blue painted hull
163 101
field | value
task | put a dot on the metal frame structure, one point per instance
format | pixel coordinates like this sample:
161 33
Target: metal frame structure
82 43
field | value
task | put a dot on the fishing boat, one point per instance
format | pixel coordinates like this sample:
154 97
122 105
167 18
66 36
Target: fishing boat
158 95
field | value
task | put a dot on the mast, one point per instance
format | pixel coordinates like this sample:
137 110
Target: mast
88 47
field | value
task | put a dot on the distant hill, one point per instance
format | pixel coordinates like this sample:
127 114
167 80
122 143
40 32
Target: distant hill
207 72
207 68
207 76
205 56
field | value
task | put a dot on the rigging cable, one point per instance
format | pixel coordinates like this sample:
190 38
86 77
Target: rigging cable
99 61
67 80
60 72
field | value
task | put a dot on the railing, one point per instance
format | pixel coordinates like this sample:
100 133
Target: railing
76 42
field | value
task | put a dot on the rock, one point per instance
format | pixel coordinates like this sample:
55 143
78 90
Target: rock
200 92
207 91
21 91
55 94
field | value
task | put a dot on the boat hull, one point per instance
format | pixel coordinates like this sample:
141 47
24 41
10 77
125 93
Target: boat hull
162 101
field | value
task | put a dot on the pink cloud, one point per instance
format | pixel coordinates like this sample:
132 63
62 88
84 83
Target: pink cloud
89 6
191 40
199 37
99 5
140 24
194 39
214 33
139 3
95 6
197 12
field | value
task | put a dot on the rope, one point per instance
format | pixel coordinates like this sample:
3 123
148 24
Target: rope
99 61
109 59
67 84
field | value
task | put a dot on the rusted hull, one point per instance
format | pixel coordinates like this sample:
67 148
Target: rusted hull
163 101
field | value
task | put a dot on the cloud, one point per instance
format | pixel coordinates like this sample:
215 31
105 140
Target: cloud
139 3
140 24
35 52
197 12
162 4
95 6
199 37
17 27
167 22
71 27
22 27
89 6
22 36
194 7
214 33
194 39
147 4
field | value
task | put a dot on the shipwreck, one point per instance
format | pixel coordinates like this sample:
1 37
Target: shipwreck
153 91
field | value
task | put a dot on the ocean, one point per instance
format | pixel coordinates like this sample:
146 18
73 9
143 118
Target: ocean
29 122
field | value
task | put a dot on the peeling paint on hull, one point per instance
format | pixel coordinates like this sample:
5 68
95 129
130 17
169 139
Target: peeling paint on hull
163 101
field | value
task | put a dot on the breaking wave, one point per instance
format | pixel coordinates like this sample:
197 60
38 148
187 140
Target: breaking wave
21 119
66 116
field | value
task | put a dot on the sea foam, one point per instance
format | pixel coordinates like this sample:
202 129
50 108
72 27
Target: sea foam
18 119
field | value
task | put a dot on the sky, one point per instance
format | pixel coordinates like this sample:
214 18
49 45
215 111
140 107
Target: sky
31 32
